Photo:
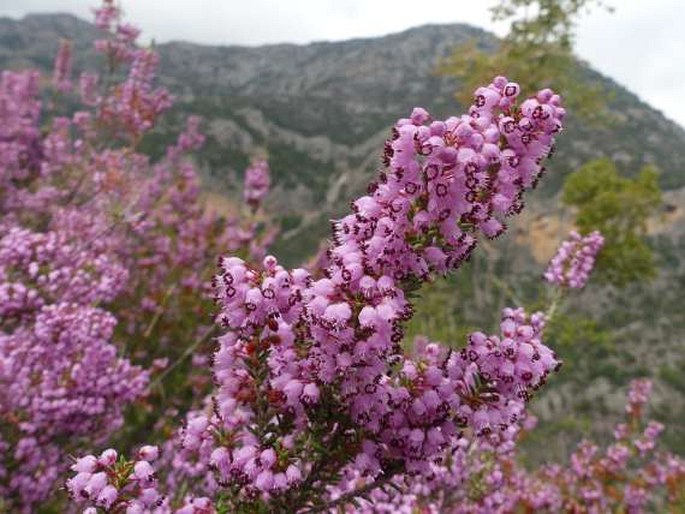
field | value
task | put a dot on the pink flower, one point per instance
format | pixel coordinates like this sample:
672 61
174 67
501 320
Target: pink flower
574 261
148 453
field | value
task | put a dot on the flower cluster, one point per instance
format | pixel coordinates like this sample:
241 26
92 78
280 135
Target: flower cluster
115 484
311 364
20 149
574 261
101 251
317 403
66 373
629 472
479 478
61 381
257 183
135 106
40 268
447 181
119 43
60 378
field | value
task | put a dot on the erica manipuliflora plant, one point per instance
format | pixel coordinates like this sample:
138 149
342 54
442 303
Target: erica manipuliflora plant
574 261
313 385
104 254
109 260
326 353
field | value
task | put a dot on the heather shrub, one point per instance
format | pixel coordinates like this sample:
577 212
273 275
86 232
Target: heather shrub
132 317
105 256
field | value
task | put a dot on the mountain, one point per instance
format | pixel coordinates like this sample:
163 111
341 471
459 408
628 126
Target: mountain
321 112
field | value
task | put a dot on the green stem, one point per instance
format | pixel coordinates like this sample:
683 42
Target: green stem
160 310
186 354
557 296
506 288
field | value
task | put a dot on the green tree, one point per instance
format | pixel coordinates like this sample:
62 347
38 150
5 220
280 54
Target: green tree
619 208
537 52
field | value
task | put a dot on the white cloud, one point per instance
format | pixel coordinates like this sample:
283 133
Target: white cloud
641 45
256 22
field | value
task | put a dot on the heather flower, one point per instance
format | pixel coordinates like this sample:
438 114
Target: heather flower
85 464
148 453
574 261
257 183
113 487
136 105
332 345
108 495
47 381
108 457
88 83
120 38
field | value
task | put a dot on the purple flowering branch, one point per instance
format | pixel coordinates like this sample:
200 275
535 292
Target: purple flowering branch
574 260
312 385
302 354
571 266
630 472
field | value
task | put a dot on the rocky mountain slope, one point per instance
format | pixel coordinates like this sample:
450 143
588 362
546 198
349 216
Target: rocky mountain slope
321 110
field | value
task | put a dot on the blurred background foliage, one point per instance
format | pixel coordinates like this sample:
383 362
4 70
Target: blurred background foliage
619 208
537 50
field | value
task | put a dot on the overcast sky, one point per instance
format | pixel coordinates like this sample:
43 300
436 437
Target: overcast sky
641 45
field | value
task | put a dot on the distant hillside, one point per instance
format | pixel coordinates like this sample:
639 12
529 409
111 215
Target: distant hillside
322 110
